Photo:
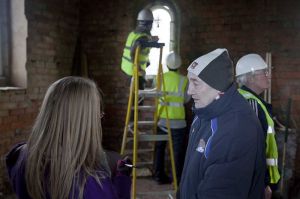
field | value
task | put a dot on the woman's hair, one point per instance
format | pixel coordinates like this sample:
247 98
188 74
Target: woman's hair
65 146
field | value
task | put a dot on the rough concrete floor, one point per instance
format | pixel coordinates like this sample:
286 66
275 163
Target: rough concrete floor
154 190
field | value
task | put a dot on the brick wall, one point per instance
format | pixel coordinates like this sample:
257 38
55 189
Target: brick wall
52 32
16 114
104 36
244 27
240 26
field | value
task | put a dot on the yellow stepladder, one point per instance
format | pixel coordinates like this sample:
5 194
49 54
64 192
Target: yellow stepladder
137 135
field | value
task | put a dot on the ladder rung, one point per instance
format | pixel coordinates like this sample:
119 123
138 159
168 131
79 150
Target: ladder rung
145 108
150 93
148 90
145 137
153 137
166 192
148 123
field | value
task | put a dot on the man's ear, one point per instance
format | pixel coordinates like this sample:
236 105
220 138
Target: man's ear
220 93
252 78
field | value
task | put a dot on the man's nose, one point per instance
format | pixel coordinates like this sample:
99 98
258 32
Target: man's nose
189 91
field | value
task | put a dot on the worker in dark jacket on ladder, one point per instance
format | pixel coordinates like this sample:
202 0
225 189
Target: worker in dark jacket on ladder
137 37
225 157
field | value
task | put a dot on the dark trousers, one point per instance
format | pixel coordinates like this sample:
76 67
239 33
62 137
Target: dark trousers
178 148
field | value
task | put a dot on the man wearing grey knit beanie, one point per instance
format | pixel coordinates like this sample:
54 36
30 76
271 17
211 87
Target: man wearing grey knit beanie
225 156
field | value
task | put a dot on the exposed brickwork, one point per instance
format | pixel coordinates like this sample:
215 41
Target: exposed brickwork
240 26
17 112
104 39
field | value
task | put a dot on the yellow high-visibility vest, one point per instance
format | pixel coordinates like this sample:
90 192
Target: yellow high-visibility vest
127 60
175 86
271 149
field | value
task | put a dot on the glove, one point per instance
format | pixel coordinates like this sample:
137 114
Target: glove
154 38
122 169
268 192
148 64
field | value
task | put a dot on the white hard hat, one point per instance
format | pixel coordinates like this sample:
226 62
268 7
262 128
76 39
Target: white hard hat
250 63
145 15
173 60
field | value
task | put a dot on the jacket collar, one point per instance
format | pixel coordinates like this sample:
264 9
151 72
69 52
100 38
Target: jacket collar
251 91
269 106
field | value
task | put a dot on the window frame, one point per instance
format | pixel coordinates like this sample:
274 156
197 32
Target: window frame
5 42
175 21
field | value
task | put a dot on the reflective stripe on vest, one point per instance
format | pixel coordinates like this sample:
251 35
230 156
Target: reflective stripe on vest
175 85
271 149
176 104
127 60
272 161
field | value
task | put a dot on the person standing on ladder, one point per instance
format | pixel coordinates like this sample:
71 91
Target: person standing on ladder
176 96
225 156
140 35
253 77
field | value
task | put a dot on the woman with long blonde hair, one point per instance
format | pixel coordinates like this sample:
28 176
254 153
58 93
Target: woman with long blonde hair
63 157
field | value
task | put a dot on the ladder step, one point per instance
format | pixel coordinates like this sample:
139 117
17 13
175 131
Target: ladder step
145 108
145 137
157 193
150 93
153 137
146 123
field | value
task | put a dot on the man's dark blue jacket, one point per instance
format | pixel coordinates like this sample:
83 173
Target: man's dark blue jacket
226 152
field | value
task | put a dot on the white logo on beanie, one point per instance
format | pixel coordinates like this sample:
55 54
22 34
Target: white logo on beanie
193 65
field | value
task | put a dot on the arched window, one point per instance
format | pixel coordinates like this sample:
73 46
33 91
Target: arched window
166 26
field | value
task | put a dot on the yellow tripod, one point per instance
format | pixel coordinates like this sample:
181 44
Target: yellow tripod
137 135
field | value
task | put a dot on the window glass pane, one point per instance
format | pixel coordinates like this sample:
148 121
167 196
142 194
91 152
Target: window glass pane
160 28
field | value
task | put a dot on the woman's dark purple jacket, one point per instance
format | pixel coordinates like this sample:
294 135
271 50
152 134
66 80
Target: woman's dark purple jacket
117 187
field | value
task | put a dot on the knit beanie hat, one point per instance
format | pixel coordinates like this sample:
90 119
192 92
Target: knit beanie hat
214 68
